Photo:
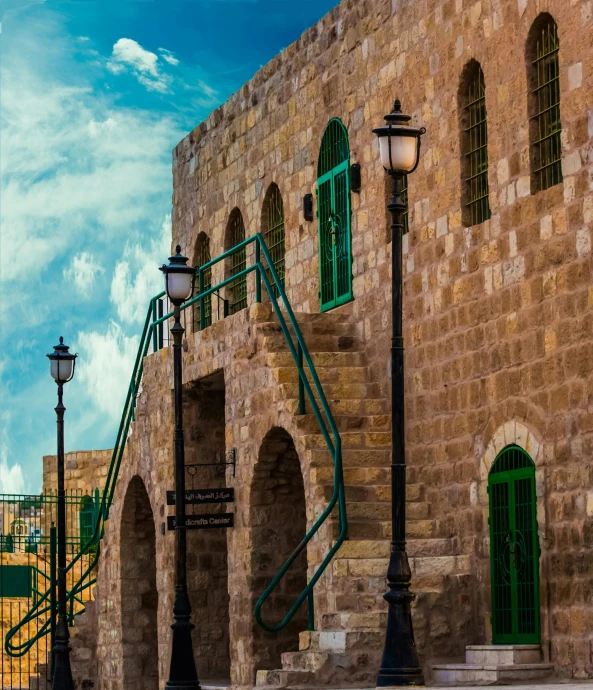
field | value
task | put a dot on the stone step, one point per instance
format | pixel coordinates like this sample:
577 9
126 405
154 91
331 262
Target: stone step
319 359
351 458
381 548
308 422
334 392
340 640
430 567
466 674
342 621
351 440
325 375
498 655
275 342
305 661
280 678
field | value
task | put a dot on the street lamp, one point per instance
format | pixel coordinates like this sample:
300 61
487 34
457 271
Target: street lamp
62 365
399 148
183 675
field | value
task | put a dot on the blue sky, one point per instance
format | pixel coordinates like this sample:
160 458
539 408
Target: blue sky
93 98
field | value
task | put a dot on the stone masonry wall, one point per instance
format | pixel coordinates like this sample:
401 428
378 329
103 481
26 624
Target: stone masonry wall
498 316
84 471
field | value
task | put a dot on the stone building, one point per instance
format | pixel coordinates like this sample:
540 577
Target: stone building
498 310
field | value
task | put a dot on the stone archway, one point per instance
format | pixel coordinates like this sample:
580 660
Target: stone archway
139 597
278 524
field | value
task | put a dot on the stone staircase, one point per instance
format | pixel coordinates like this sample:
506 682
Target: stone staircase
350 610
495 665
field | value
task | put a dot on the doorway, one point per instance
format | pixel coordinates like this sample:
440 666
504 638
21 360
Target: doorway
514 549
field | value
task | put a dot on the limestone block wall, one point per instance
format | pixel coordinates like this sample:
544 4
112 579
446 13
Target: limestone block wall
84 471
230 401
498 316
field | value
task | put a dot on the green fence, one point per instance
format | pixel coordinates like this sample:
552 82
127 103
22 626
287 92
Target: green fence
28 577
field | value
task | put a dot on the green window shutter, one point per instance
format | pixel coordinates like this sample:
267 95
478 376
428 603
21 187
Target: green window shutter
273 231
546 127
237 291
334 214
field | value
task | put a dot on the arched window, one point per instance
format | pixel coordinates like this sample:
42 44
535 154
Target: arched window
201 257
237 262
333 191
475 206
273 230
543 78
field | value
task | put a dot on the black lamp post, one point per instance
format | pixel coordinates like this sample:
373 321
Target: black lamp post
399 146
183 674
62 365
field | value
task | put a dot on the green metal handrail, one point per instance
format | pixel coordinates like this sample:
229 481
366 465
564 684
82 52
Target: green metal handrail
323 415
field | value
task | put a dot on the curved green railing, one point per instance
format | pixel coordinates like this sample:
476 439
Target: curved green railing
153 331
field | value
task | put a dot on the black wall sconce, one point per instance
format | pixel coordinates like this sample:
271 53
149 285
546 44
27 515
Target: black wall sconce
355 177
308 207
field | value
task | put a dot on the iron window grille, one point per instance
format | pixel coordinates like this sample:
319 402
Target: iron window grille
203 257
333 209
546 146
237 291
477 203
274 233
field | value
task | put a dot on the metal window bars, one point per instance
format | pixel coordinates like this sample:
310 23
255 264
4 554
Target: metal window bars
237 291
273 230
476 154
546 145
204 320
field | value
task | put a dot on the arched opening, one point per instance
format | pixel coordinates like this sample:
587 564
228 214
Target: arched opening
139 597
278 523
207 553
272 228
333 190
473 137
236 292
202 257
514 548
543 81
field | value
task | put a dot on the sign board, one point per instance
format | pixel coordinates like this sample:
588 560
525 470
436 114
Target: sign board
205 521
198 496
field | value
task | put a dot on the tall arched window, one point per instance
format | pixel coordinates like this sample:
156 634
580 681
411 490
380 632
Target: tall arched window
237 262
201 257
273 230
333 190
543 78
474 145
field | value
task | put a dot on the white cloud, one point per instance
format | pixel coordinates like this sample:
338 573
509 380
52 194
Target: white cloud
82 272
75 168
129 56
136 278
168 56
105 366
12 480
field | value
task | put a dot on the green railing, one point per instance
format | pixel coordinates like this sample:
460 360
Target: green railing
309 387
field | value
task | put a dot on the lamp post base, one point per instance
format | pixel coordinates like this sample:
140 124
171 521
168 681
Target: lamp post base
182 674
400 665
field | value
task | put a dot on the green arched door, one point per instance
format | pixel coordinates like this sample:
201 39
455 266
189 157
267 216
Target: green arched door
333 211
514 549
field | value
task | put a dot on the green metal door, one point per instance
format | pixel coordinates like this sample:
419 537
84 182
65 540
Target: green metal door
514 549
333 192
